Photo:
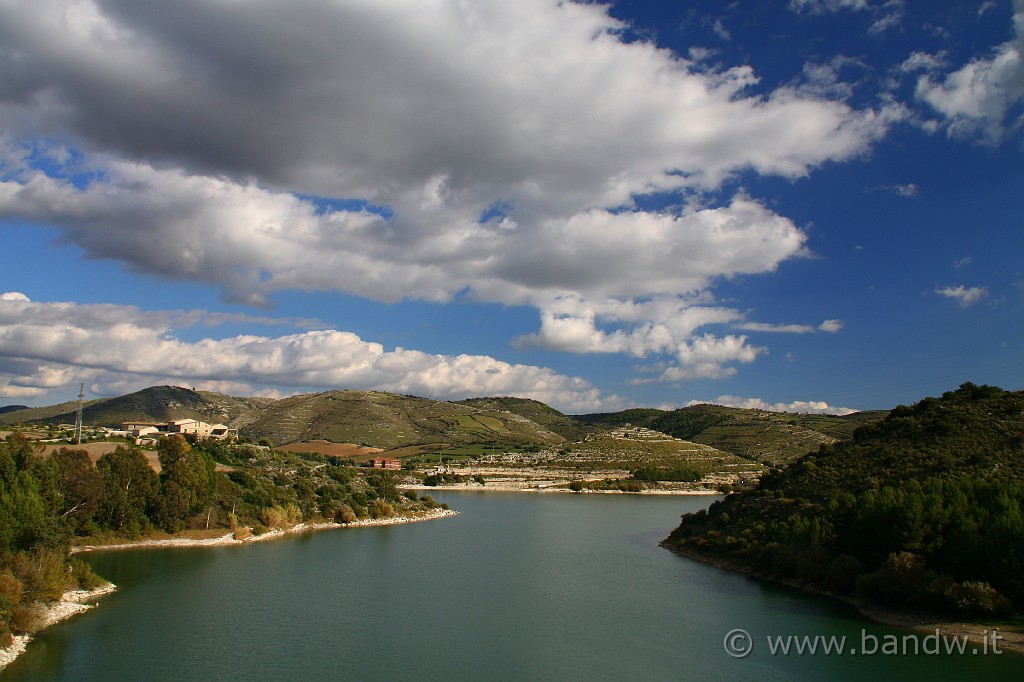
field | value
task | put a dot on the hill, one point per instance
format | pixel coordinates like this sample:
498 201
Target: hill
551 419
920 509
157 403
774 438
388 420
410 425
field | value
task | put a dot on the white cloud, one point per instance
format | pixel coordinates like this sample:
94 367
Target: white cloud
707 357
980 96
46 348
193 143
798 406
965 296
890 16
922 61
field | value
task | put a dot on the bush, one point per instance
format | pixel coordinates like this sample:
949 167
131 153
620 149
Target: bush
82 577
28 618
345 514
43 573
381 509
976 599
899 580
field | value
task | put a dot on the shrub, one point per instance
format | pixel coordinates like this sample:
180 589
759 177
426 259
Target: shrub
976 599
82 577
381 509
28 618
345 514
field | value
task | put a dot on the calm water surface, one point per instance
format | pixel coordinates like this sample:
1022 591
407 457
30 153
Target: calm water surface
517 587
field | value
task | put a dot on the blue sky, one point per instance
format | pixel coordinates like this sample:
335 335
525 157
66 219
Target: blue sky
811 205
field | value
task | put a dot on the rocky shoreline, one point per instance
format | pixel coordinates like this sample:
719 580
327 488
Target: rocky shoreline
230 539
530 487
71 604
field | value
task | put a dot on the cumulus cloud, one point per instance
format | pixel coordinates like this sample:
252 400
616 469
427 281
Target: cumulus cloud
980 96
400 149
798 406
965 296
45 347
13 296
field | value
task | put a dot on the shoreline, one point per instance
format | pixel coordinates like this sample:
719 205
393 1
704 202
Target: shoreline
72 603
277 533
513 488
917 621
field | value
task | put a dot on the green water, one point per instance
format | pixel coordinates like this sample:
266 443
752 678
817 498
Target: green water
517 587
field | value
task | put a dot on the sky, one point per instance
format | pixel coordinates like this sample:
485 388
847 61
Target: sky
802 205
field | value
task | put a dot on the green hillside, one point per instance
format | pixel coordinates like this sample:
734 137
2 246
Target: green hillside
551 419
387 420
157 403
757 435
921 509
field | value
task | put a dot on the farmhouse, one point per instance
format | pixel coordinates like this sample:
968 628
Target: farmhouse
384 463
192 427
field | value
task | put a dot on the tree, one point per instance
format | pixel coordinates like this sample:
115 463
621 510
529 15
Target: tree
187 482
129 489
80 485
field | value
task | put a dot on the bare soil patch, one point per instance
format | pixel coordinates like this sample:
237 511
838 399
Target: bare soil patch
97 450
323 447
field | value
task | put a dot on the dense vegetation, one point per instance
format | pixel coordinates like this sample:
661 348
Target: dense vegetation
47 504
922 509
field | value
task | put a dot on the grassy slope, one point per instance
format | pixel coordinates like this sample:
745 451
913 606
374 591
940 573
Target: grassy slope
551 419
387 420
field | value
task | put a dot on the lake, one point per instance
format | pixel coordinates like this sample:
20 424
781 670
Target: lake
517 587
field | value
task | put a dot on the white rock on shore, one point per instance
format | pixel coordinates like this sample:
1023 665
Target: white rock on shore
71 603
229 538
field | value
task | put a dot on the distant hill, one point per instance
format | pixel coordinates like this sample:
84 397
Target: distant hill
758 435
157 403
924 508
12 408
388 420
565 426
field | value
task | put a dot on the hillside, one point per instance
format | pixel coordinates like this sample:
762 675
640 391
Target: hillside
551 419
387 420
411 425
775 438
157 403
920 509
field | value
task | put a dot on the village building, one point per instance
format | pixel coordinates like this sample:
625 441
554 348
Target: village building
193 427
384 463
